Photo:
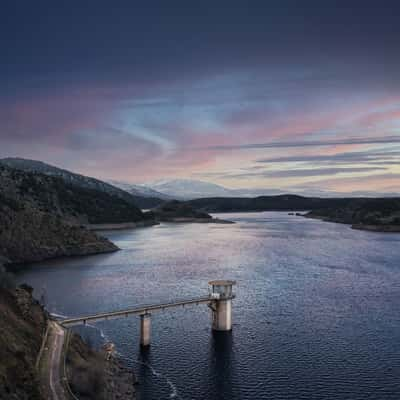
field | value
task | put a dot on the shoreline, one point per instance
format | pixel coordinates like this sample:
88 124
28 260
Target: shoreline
197 220
359 227
120 226
90 249
18 266
377 228
103 370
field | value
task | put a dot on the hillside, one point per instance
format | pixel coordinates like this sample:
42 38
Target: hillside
174 209
72 202
285 202
380 214
28 235
41 217
23 323
136 198
22 326
179 211
365 214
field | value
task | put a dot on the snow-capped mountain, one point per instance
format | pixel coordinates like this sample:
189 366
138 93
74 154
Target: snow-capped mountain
189 189
139 190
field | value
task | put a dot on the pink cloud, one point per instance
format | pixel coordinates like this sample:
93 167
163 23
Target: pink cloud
82 129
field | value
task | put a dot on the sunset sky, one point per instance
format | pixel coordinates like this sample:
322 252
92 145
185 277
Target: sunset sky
292 95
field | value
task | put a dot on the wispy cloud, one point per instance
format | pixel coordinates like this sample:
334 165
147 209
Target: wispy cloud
373 157
384 182
291 173
311 143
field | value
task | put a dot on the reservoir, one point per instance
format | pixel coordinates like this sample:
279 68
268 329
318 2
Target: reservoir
316 314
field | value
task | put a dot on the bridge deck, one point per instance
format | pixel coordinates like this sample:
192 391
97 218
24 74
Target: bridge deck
137 310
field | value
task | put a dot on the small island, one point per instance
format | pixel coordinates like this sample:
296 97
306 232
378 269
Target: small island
178 211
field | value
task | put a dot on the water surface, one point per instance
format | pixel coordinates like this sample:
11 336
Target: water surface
317 313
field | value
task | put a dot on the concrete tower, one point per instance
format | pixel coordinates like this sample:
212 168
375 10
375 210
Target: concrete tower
221 292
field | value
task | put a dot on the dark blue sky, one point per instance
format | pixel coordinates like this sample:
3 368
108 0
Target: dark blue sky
94 39
142 91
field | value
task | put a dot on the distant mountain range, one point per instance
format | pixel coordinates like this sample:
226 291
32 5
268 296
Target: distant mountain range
138 190
188 189
152 194
168 189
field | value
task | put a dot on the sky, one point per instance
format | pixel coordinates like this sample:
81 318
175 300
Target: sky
298 96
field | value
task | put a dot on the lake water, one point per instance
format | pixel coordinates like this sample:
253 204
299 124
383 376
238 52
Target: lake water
317 313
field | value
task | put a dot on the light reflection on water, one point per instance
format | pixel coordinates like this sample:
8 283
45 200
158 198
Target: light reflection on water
316 316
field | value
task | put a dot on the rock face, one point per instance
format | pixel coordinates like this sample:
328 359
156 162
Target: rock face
40 217
22 326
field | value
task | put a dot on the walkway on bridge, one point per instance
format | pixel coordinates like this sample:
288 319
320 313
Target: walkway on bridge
219 300
147 309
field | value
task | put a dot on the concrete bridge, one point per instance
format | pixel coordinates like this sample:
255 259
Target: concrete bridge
219 300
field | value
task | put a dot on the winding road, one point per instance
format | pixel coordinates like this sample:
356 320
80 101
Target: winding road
51 364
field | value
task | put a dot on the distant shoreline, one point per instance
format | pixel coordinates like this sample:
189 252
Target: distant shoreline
377 228
120 226
360 227
197 220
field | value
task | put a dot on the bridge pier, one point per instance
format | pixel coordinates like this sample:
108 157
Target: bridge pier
222 305
145 329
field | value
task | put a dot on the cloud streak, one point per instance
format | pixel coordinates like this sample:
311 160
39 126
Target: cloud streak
373 157
311 143
297 173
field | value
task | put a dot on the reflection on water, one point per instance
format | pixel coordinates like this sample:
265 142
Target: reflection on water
316 316
222 365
